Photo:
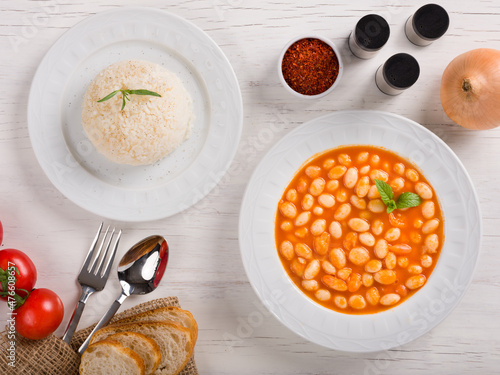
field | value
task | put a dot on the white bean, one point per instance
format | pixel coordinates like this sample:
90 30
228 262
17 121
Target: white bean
342 212
303 251
359 256
351 177
335 229
340 302
423 190
329 163
367 239
328 267
430 226
415 269
318 227
377 227
326 200
390 260
415 282
321 243
344 159
373 266
312 269
317 186
318 211
288 209
323 295
303 218
381 249
392 234
412 175
291 195
359 225
428 209
310 285
390 299
363 187
336 172
338 258
364 170
286 226
431 243
357 302
367 280
373 192
313 171
399 168
358 202
332 185
397 184
286 249
363 157
426 261
376 206
307 202
378 174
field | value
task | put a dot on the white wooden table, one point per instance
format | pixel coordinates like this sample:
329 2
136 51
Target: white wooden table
237 335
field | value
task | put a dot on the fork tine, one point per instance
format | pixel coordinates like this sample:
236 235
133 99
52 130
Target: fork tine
91 250
98 252
107 268
98 269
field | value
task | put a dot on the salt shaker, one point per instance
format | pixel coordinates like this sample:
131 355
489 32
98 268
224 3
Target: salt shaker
427 24
397 74
369 36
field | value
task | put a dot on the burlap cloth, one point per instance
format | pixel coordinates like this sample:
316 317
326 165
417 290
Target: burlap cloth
52 356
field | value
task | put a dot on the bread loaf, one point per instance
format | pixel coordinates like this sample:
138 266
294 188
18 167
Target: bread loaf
175 342
169 313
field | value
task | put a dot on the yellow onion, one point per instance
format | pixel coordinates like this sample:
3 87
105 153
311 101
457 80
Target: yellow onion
470 89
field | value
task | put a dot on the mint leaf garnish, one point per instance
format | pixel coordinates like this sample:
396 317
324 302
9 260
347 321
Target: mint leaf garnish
407 199
385 191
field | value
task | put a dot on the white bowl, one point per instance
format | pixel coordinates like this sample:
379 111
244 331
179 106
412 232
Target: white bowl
419 313
335 83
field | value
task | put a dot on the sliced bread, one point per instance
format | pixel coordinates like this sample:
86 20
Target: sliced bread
111 358
169 313
146 347
174 340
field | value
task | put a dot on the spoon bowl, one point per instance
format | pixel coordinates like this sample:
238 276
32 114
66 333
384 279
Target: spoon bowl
140 271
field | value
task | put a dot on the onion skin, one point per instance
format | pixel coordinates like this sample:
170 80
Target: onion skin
470 89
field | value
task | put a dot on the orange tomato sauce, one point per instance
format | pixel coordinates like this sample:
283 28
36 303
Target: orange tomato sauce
371 263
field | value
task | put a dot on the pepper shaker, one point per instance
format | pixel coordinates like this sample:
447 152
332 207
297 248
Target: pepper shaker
427 24
369 36
397 74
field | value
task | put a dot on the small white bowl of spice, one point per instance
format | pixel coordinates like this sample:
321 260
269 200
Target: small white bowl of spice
310 67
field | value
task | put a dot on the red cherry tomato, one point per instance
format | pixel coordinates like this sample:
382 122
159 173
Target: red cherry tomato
40 315
25 274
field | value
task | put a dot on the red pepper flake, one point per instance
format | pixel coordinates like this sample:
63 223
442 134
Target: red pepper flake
310 66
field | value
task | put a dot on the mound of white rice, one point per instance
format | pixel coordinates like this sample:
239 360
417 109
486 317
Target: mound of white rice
149 127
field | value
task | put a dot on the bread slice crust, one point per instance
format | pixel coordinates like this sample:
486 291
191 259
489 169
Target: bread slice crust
111 350
168 313
175 342
146 347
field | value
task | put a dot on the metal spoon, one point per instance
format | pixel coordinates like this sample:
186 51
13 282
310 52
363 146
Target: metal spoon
139 271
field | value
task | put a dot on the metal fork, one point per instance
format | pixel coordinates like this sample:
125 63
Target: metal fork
94 274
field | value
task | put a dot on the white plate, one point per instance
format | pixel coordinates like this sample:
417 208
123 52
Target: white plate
131 193
453 271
